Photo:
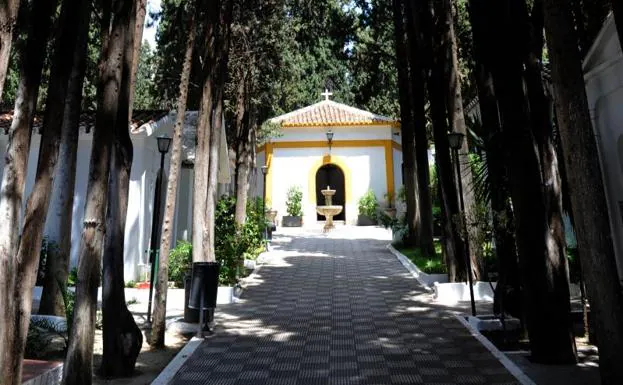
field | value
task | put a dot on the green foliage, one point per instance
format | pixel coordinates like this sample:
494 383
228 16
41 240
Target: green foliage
41 333
293 202
69 300
232 243
130 284
267 131
427 265
143 94
180 262
402 194
372 64
368 204
72 278
132 301
386 221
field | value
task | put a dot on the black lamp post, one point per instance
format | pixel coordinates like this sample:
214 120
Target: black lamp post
330 139
164 142
264 172
456 142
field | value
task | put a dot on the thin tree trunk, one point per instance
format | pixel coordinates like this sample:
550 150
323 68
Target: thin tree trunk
425 205
457 124
507 293
590 211
204 130
160 304
243 150
12 334
79 360
8 20
141 11
122 339
59 232
406 128
545 284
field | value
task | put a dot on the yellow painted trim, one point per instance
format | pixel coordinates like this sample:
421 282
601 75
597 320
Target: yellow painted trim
336 144
269 174
394 124
389 168
337 161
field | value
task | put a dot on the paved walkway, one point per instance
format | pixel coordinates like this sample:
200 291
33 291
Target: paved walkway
338 309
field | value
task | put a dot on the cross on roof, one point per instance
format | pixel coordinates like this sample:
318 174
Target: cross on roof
326 94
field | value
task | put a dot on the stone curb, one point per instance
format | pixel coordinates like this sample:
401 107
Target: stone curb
409 266
174 366
508 364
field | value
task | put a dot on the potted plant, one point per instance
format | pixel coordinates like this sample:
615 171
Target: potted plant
390 210
368 205
294 208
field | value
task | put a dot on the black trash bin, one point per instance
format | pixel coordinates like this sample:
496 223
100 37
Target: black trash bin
203 289
190 315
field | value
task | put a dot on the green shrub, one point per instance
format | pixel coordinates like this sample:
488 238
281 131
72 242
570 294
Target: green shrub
180 262
232 243
72 278
130 284
368 204
293 202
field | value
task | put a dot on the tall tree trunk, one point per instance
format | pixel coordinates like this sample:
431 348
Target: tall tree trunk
141 11
209 235
617 10
204 129
507 293
425 205
434 47
456 119
12 191
59 232
545 283
122 339
590 211
160 304
244 150
8 20
79 360
406 127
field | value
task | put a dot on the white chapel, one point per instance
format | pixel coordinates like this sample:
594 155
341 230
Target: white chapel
336 145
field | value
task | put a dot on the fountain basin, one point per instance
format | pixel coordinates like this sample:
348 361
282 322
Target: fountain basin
329 210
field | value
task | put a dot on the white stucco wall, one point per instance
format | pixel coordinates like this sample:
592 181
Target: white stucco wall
141 196
604 86
290 167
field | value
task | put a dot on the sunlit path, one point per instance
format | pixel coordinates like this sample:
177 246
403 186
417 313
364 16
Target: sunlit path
338 309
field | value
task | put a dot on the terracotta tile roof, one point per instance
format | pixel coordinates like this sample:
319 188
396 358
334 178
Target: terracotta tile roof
87 119
330 113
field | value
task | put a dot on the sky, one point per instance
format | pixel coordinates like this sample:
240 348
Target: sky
149 32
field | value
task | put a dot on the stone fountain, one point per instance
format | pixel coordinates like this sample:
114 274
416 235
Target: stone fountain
328 210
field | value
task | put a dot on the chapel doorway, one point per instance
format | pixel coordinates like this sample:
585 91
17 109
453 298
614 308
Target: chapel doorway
331 175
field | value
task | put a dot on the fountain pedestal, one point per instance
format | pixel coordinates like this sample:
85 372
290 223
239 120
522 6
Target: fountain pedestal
328 210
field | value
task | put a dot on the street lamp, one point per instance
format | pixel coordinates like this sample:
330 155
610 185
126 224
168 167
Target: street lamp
264 172
164 142
456 142
330 139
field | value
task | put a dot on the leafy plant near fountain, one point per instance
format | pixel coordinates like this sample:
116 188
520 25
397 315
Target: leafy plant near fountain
294 208
368 206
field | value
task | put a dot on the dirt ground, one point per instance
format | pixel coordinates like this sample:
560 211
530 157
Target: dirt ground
149 364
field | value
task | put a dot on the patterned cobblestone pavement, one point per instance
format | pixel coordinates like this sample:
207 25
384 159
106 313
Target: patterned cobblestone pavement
338 309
